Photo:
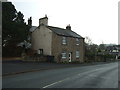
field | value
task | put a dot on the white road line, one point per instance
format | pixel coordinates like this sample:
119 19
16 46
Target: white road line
69 77
52 84
55 82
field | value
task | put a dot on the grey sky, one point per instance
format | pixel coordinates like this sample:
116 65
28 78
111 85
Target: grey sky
97 19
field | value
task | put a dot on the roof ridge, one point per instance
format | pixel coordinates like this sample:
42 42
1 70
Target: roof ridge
65 32
56 27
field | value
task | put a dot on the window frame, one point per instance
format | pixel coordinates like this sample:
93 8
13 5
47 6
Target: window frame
77 41
77 53
64 40
63 55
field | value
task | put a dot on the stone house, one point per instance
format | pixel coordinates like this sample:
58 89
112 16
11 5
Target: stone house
63 44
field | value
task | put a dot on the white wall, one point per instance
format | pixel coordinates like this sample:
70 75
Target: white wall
42 39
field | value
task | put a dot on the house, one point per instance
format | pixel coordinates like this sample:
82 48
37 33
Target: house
63 44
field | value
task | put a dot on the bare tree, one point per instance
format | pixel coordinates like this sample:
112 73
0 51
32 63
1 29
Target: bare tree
88 40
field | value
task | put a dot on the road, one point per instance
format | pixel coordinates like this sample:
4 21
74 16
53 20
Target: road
92 76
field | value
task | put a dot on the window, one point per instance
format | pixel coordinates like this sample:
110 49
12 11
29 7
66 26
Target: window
77 41
40 51
77 54
63 55
64 40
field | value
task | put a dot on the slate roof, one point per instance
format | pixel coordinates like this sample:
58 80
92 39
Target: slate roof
64 32
59 31
32 28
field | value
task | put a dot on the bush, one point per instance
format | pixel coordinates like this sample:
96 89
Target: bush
12 51
107 57
75 62
65 62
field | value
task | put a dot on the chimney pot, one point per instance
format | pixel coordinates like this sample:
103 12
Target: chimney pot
68 27
30 21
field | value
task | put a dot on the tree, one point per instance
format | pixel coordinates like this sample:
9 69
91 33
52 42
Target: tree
8 14
14 29
88 40
102 47
90 49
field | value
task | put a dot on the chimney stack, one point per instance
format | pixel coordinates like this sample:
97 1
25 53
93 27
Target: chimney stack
68 27
43 21
30 21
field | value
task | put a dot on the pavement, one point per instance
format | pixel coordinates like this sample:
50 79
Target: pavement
12 68
88 76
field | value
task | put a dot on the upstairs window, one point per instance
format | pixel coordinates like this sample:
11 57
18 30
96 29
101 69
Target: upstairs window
64 41
77 41
64 55
77 54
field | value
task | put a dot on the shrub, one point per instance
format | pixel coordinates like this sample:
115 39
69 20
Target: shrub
65 62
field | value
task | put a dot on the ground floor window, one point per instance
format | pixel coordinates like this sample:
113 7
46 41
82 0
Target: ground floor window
77 54
63 55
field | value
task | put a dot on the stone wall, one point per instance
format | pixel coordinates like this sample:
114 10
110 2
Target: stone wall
58 48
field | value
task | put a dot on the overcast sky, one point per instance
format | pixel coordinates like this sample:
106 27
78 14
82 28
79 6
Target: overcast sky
97 19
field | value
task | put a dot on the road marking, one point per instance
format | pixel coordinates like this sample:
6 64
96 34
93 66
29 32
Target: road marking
69 78
52 84
77 77
55 82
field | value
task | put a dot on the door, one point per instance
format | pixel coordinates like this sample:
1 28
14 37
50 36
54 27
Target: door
70 55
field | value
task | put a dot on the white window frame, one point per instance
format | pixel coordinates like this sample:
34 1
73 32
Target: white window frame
64 55
77 54
77 41
64 41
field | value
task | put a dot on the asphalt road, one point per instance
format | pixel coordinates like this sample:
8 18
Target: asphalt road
93 76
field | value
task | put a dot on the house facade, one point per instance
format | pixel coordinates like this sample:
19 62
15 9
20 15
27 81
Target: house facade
63 44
